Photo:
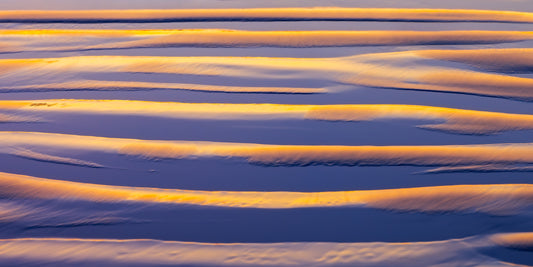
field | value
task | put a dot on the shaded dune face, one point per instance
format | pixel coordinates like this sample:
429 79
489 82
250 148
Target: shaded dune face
494 199
266 14
276 155
456 120
81 40
512 60
521 241
385 70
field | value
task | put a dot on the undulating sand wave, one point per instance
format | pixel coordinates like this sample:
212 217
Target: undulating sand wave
278 155
138 252
79 40
456 120
501 199
385 70
264 14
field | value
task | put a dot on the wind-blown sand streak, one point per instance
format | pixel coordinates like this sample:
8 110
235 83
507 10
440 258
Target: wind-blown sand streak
28 154
480 168
298 155
78 40
134 252
456 120
28 214
493 199
14 118
264 14
386 70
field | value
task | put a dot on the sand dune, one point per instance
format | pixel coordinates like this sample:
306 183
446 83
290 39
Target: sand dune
264 14
181 190
113 252
79 40
456 120
274 155
494 199
386 70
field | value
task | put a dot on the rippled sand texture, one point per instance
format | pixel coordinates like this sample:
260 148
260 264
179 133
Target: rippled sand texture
124 252
223 135
372 70
497 199
456 120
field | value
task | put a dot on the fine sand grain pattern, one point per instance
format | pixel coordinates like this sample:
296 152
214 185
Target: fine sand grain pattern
266 133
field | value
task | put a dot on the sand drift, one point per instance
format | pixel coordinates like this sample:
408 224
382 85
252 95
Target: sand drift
137 252
82 40
382 70
501 155
501 199
455 120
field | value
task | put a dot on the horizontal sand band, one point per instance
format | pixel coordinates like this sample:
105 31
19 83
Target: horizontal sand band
493 199
455 120
121 252
382 70
298 155
265 14
83 39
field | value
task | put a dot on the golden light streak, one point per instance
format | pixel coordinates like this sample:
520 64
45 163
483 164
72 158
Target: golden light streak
265 14
84 39
494 199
